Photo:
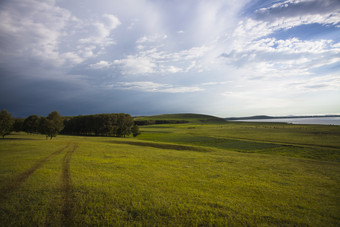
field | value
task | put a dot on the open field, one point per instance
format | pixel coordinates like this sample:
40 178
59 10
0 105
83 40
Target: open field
189 174
321 142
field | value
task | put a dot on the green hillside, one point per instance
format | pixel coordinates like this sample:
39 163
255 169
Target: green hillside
184 117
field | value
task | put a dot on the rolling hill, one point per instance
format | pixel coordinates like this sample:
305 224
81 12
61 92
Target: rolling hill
182 118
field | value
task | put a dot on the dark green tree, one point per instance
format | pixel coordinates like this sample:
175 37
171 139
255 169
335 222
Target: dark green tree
125 123
51 125
31 124
135 131
18 124
99 125
6 122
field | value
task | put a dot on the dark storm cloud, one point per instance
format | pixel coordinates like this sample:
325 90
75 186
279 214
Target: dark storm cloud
25 96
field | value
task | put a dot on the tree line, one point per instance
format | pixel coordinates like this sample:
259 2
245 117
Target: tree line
156 122
49 126
121 125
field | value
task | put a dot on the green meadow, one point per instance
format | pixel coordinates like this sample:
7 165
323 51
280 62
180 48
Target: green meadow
203 173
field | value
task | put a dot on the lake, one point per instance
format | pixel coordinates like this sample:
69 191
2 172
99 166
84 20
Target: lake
311 120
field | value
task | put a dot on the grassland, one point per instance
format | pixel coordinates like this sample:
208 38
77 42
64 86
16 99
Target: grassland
190 118
321 142
236 174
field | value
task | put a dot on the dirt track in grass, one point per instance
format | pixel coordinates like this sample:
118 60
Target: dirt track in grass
21 177
61 204
66 189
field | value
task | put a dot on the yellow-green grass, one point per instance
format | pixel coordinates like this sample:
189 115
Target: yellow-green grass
321 142
100 181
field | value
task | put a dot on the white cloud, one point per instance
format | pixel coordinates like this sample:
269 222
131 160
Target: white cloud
42 30
152 38
111 21
172 69
216 83
133 65
72 57
272 57
101 65
87 51
254 52
153 61
148 86
101 31
252 29
289 46
292 8
33 27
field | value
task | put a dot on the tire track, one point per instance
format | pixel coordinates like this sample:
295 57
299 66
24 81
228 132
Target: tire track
66 189
20 178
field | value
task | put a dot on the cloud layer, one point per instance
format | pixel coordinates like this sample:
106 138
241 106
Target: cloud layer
217 57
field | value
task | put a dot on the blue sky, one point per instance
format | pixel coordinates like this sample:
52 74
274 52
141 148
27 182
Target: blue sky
144 57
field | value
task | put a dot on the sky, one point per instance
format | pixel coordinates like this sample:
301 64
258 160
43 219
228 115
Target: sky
144 57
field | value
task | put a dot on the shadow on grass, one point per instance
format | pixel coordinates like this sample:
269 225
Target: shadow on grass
3 139
163 146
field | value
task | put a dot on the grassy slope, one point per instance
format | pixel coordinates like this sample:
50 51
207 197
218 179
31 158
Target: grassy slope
114 181
320 142
192 118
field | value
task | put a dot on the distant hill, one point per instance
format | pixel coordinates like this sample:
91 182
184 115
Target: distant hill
178 119
260 117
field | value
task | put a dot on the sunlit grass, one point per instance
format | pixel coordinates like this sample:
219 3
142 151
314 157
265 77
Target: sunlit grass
202 181
321 142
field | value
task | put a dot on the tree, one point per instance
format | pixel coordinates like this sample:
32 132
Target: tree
18 124
135 130
6 123
125 123
31 124
51 125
